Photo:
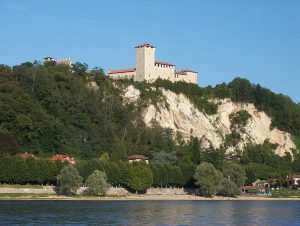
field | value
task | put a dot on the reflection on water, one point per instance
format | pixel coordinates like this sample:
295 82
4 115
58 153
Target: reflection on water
151 212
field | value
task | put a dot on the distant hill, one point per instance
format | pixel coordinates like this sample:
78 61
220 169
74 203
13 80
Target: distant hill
50 108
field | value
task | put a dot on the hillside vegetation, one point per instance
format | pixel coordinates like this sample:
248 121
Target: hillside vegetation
49 109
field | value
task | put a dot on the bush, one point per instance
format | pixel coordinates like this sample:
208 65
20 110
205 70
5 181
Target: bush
69 180
208 178
235 173
97 183
140 177
228 188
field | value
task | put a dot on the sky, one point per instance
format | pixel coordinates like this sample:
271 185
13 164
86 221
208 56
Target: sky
258 39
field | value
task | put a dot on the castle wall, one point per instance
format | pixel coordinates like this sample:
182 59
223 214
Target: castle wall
124 75
186 76
147 69
166 72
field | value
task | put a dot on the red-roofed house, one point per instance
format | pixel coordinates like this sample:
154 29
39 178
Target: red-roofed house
147 69
122 73
26 155
63 158
137 158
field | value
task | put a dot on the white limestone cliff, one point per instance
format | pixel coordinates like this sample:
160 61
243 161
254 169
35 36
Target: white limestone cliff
182 116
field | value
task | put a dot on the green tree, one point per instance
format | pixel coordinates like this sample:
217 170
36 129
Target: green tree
229 188
69 180
195 150
97 183
235 173
208 178
8 144
80 68
140 177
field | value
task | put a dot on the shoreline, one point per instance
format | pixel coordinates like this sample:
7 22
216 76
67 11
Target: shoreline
147 198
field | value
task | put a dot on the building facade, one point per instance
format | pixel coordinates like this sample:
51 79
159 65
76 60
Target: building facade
148 69
66 61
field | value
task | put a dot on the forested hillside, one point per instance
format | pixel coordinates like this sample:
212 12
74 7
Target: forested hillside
49 109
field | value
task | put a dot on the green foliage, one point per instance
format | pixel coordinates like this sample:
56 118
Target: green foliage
165 174
163 157
8 144
232 139
199 96
240 118
80 68
286 194
69 180
52 109
22 171
234 173
242 90
296 140
195 150
97 183
208 178
262 154
188 171
229 188
255 171
140 177
284 112
260 162
215 157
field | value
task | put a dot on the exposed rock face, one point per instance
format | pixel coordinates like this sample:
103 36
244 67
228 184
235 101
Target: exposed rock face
182 116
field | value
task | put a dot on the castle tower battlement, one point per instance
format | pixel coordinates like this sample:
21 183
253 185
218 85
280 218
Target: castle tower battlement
148 69
145 62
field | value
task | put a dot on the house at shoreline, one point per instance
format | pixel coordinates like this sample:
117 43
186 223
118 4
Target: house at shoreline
137 158
148 69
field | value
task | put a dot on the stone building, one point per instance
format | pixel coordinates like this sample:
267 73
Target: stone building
66 61
148 69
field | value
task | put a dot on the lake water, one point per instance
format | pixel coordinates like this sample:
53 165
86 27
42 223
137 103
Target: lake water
151 212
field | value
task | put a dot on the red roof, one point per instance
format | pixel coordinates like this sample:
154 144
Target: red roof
63 158
26 155
145 45
180 73
184 72
121 71
164 63
137 157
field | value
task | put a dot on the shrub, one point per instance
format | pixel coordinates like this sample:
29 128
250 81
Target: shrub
97 183
208 178
69 180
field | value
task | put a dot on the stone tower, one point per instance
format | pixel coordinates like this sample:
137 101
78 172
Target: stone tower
145 63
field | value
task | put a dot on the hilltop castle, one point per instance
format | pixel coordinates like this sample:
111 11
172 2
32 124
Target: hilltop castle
147 69
66 61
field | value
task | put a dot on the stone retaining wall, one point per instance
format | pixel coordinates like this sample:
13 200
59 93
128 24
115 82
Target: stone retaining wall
113 191
51 190
45 189
169 191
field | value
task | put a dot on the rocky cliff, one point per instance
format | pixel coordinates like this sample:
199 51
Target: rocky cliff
178 113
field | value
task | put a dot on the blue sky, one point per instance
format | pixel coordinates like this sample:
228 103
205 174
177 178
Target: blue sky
258 40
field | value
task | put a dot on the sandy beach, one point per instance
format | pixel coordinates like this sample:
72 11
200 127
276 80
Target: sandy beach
150 198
